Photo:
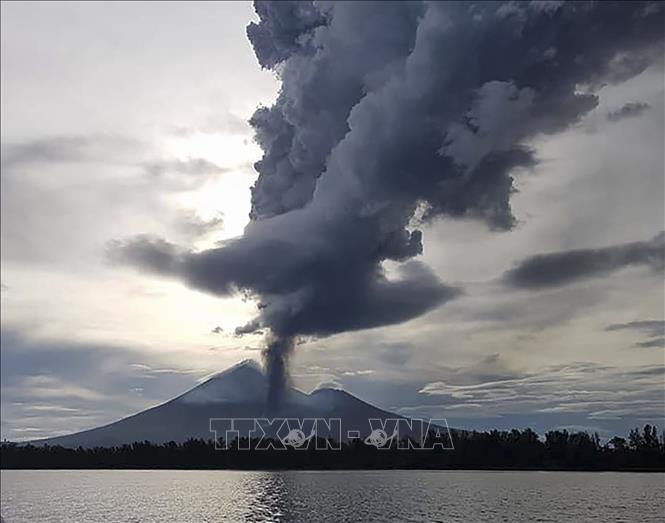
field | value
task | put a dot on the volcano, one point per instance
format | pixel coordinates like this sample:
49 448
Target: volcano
237 392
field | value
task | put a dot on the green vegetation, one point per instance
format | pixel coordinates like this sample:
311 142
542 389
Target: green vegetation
557 450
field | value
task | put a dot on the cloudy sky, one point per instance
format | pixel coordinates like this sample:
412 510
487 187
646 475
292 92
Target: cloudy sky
126 145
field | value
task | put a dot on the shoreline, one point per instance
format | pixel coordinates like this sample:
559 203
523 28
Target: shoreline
295 469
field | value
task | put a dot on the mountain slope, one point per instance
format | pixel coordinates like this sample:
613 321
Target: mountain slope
238 392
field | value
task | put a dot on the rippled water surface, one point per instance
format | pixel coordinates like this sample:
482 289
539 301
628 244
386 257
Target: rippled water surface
212 496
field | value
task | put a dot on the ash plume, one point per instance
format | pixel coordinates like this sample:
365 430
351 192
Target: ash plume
387 109
276 361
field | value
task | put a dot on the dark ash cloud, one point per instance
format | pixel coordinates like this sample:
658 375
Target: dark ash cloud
281 26
249 328
382 113
153 254
628 110
217 330
371 302
563 268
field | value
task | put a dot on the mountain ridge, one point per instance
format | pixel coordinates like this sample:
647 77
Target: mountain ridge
239 391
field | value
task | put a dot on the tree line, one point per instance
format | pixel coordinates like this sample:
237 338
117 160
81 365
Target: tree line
515 449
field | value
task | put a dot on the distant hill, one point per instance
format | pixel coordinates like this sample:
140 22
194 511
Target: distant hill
237 392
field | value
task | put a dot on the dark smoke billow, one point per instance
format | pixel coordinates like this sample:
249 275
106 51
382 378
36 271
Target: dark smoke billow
387 109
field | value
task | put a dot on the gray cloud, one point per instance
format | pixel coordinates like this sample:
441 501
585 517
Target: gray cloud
653 329
562 268
380 114
102 149
490 393
66 149
192 225
396 354
225 123
97 184
628 110
87 384
189 167
597 391
653 343
649 327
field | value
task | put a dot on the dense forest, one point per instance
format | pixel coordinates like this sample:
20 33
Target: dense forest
515 449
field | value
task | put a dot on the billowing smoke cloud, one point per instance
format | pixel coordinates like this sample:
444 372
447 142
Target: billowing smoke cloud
388 110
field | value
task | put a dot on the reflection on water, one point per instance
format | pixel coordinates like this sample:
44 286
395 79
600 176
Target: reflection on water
268 498
144 496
